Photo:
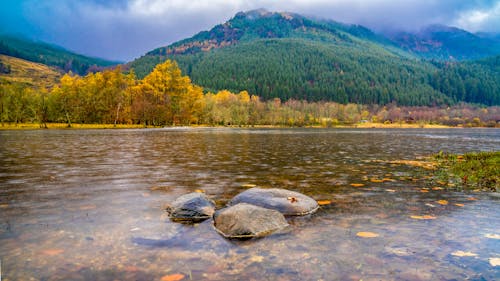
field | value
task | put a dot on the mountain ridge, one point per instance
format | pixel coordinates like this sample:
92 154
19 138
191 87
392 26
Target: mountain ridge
51 55
289 56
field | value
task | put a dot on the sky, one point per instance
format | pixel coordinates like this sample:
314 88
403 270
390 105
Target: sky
127 29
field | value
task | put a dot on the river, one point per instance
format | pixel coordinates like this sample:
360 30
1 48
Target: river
89 205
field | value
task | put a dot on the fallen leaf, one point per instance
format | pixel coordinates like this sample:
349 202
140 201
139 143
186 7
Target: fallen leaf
376 180
424 190
324 202
492 236
357 184
173 277
441 182
442 202
292 199
494 261
199 191
367 234
463 254
3 206
257 259
459 205
52 252
388 179
248 185
472 198
131 268
390 190
437 188
424 217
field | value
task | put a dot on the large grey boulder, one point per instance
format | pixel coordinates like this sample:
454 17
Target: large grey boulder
247 221
289 203
191 207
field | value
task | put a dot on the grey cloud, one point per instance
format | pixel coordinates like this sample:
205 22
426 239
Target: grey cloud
126 29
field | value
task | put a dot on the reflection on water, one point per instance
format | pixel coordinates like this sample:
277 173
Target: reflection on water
88 205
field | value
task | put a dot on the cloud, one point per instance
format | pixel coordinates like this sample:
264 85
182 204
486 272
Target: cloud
125 29
480 19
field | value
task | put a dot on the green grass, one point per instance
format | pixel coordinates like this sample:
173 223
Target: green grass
471 171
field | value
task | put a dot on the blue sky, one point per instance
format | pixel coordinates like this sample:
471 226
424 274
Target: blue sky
126 29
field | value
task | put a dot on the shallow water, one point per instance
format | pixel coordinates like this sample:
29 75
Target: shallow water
88 205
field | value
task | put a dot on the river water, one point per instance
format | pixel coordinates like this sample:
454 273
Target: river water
89 205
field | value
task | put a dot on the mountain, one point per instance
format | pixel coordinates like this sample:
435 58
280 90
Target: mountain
447 43
50 55
285 55
25 73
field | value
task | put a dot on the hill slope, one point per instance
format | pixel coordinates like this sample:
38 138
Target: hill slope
290 56
445 43
26 73
50 55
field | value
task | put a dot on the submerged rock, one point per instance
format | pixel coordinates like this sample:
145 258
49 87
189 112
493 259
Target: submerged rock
248 221
191 207
289 203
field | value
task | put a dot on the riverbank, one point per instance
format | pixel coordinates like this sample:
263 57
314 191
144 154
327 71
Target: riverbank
367 125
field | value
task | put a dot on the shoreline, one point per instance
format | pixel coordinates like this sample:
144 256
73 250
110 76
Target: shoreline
368 125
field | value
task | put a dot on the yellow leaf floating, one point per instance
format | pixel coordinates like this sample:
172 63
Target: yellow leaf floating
199 191
257 258
494 261
367 234
173 277
376 180
424 190
442 202
52 252
390 190
459 205
424 217
248 185
324 202
492 236
463 254
357 184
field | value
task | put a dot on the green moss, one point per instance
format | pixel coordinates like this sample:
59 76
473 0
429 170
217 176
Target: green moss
477 170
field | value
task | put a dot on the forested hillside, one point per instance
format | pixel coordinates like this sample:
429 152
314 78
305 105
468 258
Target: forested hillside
50 55
447 43
283 55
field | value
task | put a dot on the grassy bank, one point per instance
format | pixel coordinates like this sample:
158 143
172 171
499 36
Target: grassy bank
471 171
32 126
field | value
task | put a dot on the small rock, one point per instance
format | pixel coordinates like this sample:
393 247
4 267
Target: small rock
247 221
191 207
289 203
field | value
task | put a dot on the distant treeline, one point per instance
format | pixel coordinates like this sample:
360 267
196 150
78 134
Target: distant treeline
165 97
307 70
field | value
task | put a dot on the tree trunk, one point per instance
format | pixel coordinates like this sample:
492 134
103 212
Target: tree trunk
117 113
68 120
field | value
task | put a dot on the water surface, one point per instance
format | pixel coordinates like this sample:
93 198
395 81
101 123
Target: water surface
88 205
